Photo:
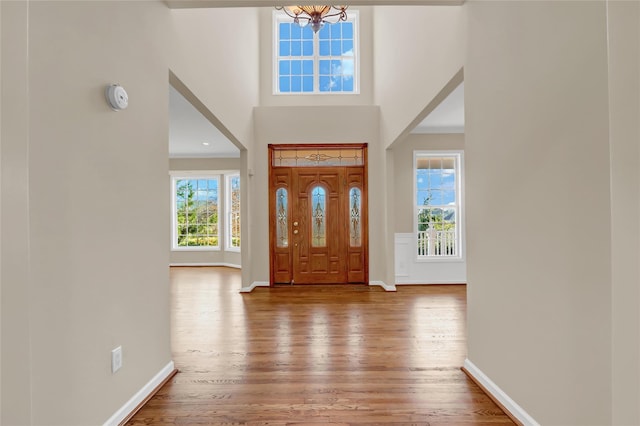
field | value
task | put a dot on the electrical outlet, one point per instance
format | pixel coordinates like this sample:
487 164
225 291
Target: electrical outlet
116 359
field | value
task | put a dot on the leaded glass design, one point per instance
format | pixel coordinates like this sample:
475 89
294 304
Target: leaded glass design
318 217
318 157
282 218
355 207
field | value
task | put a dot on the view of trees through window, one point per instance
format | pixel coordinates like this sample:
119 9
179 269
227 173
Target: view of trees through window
233 207
437 204
197 212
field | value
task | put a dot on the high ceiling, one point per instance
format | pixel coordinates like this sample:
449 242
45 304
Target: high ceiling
447 117
189 130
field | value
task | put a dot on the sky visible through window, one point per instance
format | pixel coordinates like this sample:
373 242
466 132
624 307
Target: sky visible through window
197 212
436 187
316 63
437 208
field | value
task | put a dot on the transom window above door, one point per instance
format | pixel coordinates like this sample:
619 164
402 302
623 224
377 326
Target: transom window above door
317 156
315 63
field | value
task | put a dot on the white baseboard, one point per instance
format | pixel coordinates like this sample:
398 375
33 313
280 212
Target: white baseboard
136 399
386 287
253 285
400 281
508 403
230 265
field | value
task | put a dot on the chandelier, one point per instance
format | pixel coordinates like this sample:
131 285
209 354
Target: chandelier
316 15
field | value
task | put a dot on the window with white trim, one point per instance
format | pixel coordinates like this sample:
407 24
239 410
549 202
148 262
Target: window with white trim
202 218
233 212
437 183
196 212
313 63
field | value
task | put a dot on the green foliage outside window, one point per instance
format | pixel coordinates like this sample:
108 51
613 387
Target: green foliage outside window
197 212
436 218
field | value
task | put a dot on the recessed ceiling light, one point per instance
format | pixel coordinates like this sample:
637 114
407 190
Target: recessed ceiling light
205 143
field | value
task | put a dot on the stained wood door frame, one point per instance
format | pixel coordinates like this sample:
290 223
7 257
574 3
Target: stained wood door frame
281 258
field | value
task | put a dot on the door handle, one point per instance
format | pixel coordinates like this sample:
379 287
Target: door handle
295 231
295 223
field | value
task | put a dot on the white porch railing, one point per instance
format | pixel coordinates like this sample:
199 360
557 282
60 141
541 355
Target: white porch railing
437 243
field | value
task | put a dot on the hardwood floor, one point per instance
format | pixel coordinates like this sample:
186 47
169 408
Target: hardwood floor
330 355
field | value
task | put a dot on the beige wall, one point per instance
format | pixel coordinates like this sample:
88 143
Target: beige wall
93 177
408 270
15 408
403 171
206 257
538 217
221 70
354 124
624 95
417 52
223 73
541 313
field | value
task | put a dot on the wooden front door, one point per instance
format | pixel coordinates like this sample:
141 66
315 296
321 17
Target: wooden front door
318 229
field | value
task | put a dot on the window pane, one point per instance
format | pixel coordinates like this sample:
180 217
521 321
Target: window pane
336 48
324 47
296 31
449 180
336 30
307 33
435 188
448 197
307 67
282 215
285 84
314 157
347 47
182 190
347 30
355 207
325 84
307 84
347 84
318 217
336 84
296 67
234 212
450 215
296 83
323 34
336 66
284 67
285 31
334 42
285 48
296 48
196 210
307 48
325 67
347 67
436 197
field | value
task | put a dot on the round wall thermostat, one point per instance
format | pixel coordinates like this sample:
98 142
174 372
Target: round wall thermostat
117 97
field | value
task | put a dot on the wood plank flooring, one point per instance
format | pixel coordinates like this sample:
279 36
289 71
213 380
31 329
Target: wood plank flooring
323 355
